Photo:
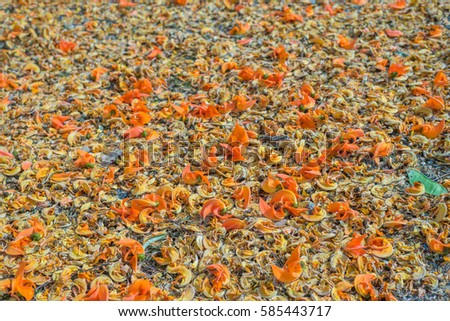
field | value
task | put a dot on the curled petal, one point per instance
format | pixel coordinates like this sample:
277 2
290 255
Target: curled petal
97 293
345 42
132 251
96 73
291 270
342 210
246 73
364 286
353 134
355 246
437 246
269 212
134 132
380 247
381 150
289 183
430 131
215 207
270 184
233 224
144 86
192 178
238 136
435 102
143 290
243 193
441 79
140 118
316 215
417 189
396 70
240 28
228 66
21 285
284 196
393 33
306 121
398 5
221 275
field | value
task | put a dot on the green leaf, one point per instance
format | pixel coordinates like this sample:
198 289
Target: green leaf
154 239
431 187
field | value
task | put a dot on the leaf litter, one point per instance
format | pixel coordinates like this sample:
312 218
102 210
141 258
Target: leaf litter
224 151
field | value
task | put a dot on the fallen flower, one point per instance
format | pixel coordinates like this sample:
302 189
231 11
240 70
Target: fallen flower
156 52
282 202
398 5
144 86
437 246
356 245
233 224
291 270
393 33
288 16
396 70
364 286
380 247
238 136
21 285
135 132
231 65
215 207
436 31
271 184
441 79
96 73
345 42
381 150
342 210
240 28
84 159
132 251
66 46
430 131
435 103
5 153
192 178
221 275
243 194
143 290
97 293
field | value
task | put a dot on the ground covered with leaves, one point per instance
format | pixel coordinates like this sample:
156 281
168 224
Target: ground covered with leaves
225 151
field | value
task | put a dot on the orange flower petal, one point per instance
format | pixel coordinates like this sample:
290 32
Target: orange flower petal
21 285
98 293
393 33
441 79
215 207
398 5
345 42
435 102
233 224
380 247
270 184
291 270
429 130
221 275
269 212
364 286
238 136
355 246
242 193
